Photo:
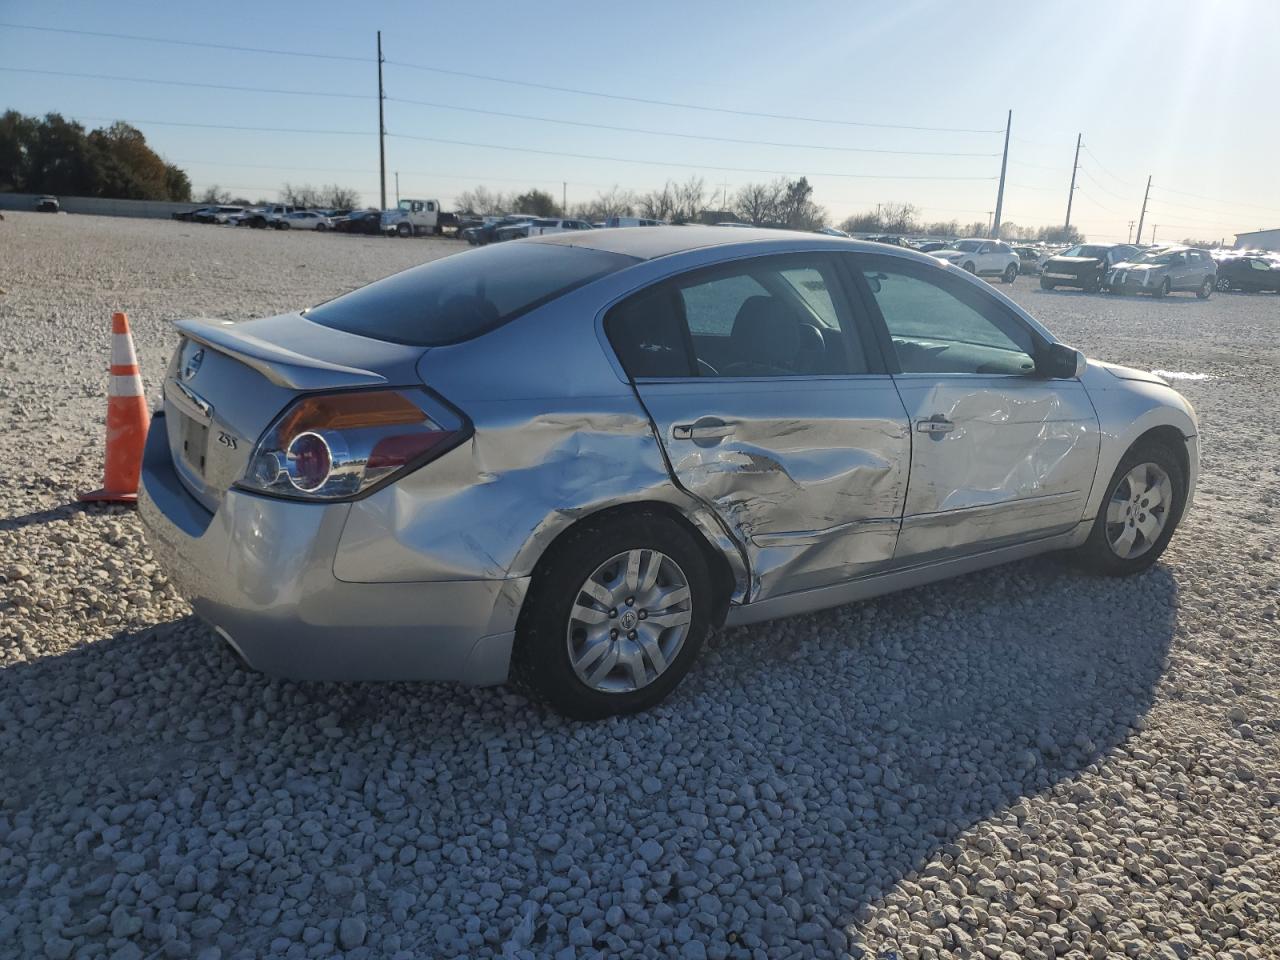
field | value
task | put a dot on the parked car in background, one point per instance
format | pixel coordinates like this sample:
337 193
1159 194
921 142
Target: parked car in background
1030 259
1250 274
188 216
933 246
220 214
832 232
403 484
539 227
1086 265
986 258
360 221
261 217
634 222
1166 270
47 204
892 241
487 232
305 220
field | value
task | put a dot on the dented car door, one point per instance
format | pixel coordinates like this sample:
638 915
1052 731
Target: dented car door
775 412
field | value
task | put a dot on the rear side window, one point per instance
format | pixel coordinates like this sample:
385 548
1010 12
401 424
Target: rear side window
780 316
462 296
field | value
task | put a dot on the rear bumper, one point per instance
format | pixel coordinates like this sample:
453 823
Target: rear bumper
260 571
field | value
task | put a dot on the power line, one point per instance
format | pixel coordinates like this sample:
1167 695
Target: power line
1127 183
185 43
684 106
1094 181
191 83
228 126
1230 203
667 163
476 178
686 136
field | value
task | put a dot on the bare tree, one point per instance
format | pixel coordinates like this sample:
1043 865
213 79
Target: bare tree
215 194
941 228
657 204
862 223
757 203
899 217
690 198
335 197
615 202
483 201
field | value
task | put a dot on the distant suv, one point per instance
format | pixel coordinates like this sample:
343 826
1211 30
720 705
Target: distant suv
1166 270
986 258
1086 265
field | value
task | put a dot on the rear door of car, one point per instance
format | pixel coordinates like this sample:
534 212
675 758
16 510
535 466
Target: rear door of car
999 454
775 411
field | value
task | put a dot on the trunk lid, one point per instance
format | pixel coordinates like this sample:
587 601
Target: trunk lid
228 382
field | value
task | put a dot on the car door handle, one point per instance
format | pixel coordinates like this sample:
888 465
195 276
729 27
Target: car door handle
937 424
708 428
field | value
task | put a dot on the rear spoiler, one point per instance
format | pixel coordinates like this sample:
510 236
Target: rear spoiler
281 366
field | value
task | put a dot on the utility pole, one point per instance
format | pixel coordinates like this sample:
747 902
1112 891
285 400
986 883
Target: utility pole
564 198
1004 165
1066 228
989 215
382 132
397 188
1130 237
1142 216
1154 228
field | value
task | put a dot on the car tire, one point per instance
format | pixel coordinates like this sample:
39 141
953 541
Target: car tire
1046 284
404 230
1091 286
1206 289
1010 273
1099 554
1164 289
970 268
321 228
1224 284
548 633
283 226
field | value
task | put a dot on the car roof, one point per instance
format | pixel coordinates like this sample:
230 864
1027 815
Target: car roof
654 242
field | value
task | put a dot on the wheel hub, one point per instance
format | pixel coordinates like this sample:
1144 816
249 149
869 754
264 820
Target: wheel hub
1138 510
629 621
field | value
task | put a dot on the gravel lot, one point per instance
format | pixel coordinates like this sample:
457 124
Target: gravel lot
1022 763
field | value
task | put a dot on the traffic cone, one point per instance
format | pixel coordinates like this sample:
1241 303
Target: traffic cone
127 421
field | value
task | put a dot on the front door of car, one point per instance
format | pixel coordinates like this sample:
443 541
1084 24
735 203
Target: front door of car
999 455
775 412
986 259
1178 271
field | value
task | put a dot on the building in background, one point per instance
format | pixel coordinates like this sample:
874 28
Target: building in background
1259 240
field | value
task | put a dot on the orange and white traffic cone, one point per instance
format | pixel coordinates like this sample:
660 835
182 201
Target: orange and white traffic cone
127 421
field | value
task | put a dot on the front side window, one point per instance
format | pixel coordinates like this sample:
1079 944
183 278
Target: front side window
766 317
940 325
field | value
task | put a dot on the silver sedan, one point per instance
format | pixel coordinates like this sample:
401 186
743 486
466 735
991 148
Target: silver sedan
572 456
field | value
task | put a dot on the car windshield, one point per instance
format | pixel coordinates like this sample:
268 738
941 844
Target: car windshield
1158 256
1092 251
462 296
968 246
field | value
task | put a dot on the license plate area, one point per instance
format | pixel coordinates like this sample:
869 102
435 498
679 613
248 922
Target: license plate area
193 445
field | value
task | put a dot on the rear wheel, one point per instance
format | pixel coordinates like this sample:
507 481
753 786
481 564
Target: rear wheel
1010 273
970 267
1046 284
615 617
1206 288
1136 521
1224 284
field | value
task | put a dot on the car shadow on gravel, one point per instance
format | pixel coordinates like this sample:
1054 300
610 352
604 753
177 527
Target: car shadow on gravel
804 769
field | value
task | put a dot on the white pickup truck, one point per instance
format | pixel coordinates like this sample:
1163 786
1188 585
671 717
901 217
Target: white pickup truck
413 218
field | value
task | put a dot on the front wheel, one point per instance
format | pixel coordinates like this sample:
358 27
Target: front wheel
1046 284
615 617
1010 273
1164 289
1137 519
1206 288
404 230
970 268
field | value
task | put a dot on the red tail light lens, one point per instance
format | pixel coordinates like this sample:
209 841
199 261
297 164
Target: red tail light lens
338 445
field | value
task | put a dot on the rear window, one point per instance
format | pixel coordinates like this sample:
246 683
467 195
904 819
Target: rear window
462 296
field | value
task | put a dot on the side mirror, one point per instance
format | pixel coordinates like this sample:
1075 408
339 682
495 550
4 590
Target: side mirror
1060 362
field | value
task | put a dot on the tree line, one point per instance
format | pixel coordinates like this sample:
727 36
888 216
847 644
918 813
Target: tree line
781 203
50 154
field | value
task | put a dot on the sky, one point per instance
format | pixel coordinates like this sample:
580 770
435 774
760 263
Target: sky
1183 92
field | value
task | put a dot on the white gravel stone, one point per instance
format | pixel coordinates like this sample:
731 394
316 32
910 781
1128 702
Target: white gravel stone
1026 762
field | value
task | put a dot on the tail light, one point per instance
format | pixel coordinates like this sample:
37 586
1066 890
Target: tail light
339 445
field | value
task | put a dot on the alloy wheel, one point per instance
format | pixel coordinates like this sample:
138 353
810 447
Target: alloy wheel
629 621
1138 510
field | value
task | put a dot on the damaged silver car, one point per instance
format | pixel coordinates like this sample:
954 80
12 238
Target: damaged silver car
572 456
